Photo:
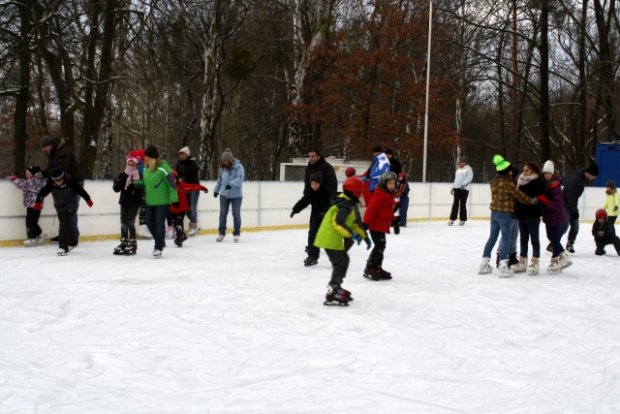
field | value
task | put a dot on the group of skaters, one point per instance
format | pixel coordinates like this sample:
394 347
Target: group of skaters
520 198
147 183
336 223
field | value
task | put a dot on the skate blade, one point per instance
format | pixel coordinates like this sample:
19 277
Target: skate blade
63 254
335 303
369 277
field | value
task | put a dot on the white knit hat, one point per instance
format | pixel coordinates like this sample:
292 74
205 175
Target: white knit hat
185 150
548 167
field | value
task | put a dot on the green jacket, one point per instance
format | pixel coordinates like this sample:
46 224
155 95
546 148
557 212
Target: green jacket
340 222
159 185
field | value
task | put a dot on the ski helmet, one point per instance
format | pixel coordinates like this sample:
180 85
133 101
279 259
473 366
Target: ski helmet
601 214
387 176
354 186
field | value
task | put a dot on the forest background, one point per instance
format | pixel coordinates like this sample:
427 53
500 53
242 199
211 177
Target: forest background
270 79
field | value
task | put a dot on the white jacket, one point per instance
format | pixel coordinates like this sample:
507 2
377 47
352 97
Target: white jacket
463 178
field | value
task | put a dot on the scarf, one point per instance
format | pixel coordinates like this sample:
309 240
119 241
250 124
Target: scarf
132 174
526 179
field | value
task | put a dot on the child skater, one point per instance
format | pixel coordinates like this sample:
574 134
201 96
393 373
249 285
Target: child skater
378 217
402 192
340 227
554 217
30 186
130 199
180 208
63 189
604 233
612 202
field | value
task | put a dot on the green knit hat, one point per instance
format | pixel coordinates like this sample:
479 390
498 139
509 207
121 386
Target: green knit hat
500 163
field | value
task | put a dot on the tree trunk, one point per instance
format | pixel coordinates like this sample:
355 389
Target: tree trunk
606 70
23 95
544 80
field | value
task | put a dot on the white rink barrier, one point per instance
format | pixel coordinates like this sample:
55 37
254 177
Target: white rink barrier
266 205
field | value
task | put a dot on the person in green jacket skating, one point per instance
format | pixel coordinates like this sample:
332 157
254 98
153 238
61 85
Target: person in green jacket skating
340 227
159 191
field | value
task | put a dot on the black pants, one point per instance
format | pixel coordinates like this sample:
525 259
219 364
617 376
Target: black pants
315 222
66 235
459 204
376 255
177 222
128 221
601 242
32 223
340 262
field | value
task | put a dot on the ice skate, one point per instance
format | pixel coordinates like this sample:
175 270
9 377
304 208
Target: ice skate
30 243
236 238
372 272
193 229
485 268
520 266
564 260
131 248
170 232
554 266
451 223
532 269
337 296
570 247
504 269
62 251
120 249
157 253
310 261
461 223
384 274
180 236
219 238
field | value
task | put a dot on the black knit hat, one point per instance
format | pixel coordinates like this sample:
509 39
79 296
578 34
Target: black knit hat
377 148
610 184
151 151
33 169
593 169
57 174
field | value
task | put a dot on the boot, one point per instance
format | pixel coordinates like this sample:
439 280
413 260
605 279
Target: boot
504 269
554 266
485 267
180 236
532 269
512 259
569 247
132 247
384 274
564 260
372 272
120 249
520 266
193 229
337 296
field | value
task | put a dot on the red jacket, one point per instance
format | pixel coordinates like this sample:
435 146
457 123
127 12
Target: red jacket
380 211
182 188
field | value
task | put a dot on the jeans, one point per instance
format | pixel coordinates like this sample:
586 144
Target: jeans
459 204
74 217
192 200
554 234
156 222
500 222
340 262
572 225
128 221
528 229
236 213
402 210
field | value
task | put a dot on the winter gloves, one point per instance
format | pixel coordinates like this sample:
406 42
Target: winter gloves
89 203
216 194
37 207
358 239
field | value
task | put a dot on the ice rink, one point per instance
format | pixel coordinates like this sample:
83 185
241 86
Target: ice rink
241 328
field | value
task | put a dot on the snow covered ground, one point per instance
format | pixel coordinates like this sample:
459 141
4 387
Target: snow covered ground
241 328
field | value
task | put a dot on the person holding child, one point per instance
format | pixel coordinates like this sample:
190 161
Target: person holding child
31 186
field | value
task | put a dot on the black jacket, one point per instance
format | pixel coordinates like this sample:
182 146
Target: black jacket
62 157
132 196
64 196
320 201
188 171
532 189
573 189
602 231
328 179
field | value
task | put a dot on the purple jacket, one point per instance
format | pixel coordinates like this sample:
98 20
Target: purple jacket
31 188
553 212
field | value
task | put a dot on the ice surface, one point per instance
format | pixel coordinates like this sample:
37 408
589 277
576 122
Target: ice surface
241 328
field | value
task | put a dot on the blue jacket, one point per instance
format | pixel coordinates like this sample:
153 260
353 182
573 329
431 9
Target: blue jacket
380 165
232 177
